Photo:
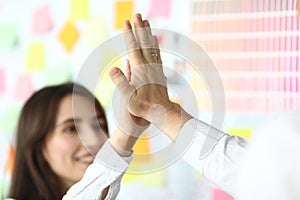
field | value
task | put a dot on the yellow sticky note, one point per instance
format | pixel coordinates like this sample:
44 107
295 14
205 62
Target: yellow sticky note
105 87
130 177
35 57
156 179
68 36
124 11
96 31
79 9
244 132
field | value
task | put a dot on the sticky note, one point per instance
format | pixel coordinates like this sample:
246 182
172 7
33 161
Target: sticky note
2 81
160 8
8 35
105 87
218 194
130 177
35 59
298 8
155 179
124 11
57 75
42 21
142 145
11 151
68 36
24 87
96 31
244 132
79 10
9 118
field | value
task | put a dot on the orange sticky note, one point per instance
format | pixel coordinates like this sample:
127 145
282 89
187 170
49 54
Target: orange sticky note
42 21
79 9
35 57
11 151
124 11
142 146
68 36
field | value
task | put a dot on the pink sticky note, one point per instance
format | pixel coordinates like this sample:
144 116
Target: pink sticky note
160 8
218 194
42 21
2 81
24 87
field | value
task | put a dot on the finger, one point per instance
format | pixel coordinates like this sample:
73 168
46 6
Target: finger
121 82
128 70
142 37
156 47
132 45
149 32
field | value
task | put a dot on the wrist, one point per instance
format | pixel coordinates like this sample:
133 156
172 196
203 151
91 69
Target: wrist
122 143
169 118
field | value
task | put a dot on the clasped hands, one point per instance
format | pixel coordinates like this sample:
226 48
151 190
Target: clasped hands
143 87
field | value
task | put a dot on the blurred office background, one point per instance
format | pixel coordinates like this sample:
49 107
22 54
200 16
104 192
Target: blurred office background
254 45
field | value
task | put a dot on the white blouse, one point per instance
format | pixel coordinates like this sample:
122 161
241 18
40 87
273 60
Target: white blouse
107 169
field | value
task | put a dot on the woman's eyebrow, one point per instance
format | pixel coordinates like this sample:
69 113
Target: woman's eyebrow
70 120
97 117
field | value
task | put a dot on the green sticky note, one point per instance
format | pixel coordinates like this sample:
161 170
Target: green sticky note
9 118
8 35
57 75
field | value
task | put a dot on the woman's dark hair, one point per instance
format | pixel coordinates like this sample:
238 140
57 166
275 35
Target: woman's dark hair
32 176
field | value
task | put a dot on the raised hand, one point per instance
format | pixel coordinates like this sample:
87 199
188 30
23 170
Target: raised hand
146 93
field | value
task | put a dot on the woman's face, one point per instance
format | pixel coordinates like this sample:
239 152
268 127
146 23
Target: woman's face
69 149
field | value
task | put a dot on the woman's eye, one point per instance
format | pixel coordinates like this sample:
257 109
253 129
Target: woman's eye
99 126
71 129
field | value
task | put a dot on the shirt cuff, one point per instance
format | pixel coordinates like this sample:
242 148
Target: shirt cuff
197 133
110 158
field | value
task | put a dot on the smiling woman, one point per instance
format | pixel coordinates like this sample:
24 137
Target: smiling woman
57 144
50 157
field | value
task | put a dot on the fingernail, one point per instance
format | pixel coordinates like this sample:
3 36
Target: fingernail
147 23
139 16
113 71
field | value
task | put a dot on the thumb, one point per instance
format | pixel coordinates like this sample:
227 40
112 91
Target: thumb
121 82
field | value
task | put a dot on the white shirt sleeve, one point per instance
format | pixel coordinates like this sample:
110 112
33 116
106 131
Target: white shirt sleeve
107 169
213 153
